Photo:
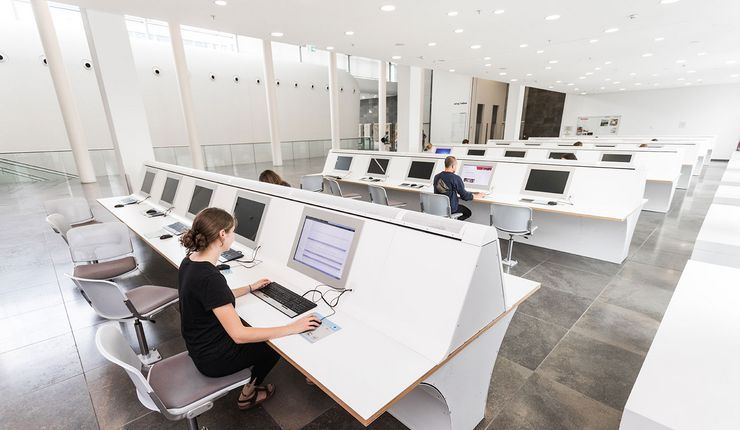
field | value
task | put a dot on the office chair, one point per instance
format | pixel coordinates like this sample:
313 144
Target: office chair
59 224
141 303
313 183
75 210
101 251
380 197
437 204
337 191
514 221
174 387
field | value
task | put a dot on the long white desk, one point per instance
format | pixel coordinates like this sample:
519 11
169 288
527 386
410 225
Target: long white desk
718 241
434 322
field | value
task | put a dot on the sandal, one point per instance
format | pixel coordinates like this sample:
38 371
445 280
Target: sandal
252 401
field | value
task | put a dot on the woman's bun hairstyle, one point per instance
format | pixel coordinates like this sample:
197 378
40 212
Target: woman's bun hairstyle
206 228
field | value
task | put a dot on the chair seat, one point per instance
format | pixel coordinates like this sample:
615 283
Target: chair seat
178 383
106 269
150 297
352 196
88 222
393 204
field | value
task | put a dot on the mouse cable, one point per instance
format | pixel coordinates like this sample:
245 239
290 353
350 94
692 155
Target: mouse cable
145 198
254 256
332 303
167 212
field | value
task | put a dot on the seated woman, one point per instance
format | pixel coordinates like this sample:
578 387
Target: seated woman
272 178
218 341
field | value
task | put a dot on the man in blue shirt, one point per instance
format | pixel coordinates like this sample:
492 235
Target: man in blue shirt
448 183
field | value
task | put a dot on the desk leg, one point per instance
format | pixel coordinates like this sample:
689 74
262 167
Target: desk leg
454 397
685 179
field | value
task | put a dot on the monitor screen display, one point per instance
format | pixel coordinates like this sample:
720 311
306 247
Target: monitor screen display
248 214
324 246
477 152
478 175
201 199
421 170
146 186
547 181
170 189
378 166
562 155
515 154
442 150
617 158
343 163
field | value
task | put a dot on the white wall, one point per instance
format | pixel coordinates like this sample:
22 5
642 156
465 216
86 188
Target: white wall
450 107
709 109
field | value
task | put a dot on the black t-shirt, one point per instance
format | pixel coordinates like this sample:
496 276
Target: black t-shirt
203 288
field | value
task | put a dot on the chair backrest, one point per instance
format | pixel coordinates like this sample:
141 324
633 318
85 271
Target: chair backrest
102 241
435 204
378 195
511 219
59 224
312 183
334 187
75 209
113 346
106 298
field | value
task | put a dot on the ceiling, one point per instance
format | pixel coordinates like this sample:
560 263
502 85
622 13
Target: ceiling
688 42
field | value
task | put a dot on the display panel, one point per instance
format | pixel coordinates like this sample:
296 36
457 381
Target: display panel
476 152
378 166
515 154
477 175
200 200
343 163
617 158
443 150
146 185
170 190
249 211
421 170
547 182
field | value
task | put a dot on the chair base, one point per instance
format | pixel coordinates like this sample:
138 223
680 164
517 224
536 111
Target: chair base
151 358
509 263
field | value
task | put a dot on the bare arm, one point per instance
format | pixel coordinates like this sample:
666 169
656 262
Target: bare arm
238 292
231 322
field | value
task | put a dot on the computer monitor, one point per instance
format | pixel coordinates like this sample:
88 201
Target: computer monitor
503 143
249 210
617 158
547 182
325 245
476 152
515 154
442 150
420 171
477 175
561 156
201 199
146 185
343 163
378 166
169 191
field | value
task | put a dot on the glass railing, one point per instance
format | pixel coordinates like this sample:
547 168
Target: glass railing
48 165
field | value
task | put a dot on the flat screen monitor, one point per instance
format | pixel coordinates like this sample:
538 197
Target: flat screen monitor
343 163
562 156
378 166
605 146
477 152
200 200
324 246
547 182
617 158
146 185
515 154
477 176
503 144
442 150
170 190
421 170
249 211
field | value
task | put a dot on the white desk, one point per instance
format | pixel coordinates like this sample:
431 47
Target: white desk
718 241
690 377
727 195
731 177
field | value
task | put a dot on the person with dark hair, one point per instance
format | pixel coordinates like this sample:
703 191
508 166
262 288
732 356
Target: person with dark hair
218 340
271 177
653 140
569 156
578 143
643 145
448 183
465 141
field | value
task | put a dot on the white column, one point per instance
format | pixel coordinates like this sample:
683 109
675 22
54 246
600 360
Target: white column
115 71
416 108
514 110
186 95
63 88
334 101
382 78
272 116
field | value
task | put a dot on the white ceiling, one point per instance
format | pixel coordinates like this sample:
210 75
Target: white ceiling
690 28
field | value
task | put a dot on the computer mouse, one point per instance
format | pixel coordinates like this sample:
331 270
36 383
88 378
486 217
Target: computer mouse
223 267
151 211
118 206
552 203
165 236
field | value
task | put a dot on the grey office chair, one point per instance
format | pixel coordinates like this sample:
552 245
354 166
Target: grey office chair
337 190
59 224
313 183
141 303
514 221
174 387
437 204
75 210
101 251
379 196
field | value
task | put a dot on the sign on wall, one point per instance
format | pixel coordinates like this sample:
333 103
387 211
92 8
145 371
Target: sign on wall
598 125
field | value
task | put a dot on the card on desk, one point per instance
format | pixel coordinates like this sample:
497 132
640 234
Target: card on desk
325 329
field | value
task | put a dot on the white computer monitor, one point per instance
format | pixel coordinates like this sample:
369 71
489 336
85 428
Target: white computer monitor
249 210
148 181
169 191
324 246
616 158
547 181
476 176
421 171
200 199
378 167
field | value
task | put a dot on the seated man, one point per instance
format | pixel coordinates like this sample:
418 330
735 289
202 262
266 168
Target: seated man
447 182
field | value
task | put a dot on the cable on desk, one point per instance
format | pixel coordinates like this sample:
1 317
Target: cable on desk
332 303
145 198
167 212
254 257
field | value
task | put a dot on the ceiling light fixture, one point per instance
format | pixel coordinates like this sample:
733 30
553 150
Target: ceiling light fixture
680 61
529 74
486 58
396 57
701 54
570 84
647 54
633 74
499 11
220 2
589 73
607 62
553 61
602 88
621 89
387 8
611 30
728 62
523 45
659 39
540 52
432 44
548 67
452 70
459 30
581 77
597 68
329 48
681 79
691 71
734 75
593 40
513 79
349 33
487 64
452 13
474 46
552 17
502 73
668 1
276 34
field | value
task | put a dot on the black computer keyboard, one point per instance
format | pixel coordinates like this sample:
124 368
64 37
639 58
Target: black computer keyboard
231 254
178 227
284 300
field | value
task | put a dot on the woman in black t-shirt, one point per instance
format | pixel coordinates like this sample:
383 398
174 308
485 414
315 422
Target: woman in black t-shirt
218 340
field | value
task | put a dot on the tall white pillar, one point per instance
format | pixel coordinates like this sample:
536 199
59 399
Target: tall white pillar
382 78
402 107
416 108
272 115
186 95
63 88
514 111
334 101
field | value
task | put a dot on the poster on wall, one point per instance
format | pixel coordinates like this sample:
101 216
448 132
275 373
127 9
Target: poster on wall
598 125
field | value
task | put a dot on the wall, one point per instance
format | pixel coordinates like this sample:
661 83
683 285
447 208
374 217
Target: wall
450 107
543 113
709 109
367 105
488 93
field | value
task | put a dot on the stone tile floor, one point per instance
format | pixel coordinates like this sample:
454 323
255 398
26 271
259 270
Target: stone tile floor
568 361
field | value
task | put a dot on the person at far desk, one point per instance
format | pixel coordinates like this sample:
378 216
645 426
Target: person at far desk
218 341
447 182
271 177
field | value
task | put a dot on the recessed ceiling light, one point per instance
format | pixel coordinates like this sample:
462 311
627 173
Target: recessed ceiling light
687 83
576 89
655 75
570 84
329 48
523 45
581 77
452 13
499 11
550 87
584 93
597 68
387 8
432 44
633 74
396 57
593 40
540 51
553 61
502 73
552 17
668 1
659 39
276 34
656 84
734 75
730 62
621 89
681 79
637 84
558 82
700 80
607 62
607 79
602 88
589 73
616 82
487 64
548 67
486 58
349 33
452 70
611 30
680 61
513 79
474 46
647 54
529 74
459 30
701 54
691 71
220 2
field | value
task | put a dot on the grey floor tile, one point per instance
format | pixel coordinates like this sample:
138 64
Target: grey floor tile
664 259
526 256
648 299
646 274
555 306
586 264
338 418
574 281
508 377
25 276
24 300
660 243
528 340
618 326
32 327
114 396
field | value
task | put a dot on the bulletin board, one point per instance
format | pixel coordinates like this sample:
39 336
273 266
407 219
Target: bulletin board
598 125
